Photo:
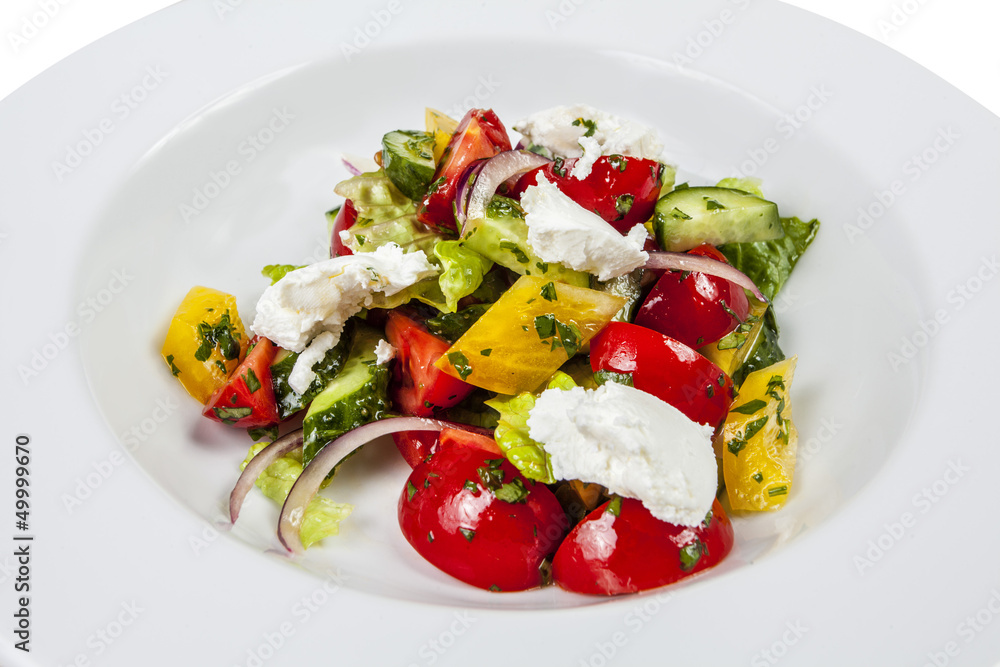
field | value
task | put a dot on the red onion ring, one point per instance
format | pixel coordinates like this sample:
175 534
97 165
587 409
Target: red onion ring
679 261
350 167
256 466
308 483
464 189
495 171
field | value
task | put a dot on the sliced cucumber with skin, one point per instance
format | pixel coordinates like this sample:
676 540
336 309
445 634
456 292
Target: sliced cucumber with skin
358 395
289 401
503 237
688 217
408 160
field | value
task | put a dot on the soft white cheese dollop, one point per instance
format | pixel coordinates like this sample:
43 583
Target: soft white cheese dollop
554 129
560 230
320 298
631 442
384 352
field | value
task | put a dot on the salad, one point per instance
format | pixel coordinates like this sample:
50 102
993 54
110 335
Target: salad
575 355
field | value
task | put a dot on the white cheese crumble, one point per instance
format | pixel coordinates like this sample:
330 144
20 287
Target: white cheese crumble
322 296
560 230
609 135
631 442
302 373
384 352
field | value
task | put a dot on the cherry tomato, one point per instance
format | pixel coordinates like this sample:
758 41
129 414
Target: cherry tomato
621 548
479 134
665 368
247 398
416 446
418 387
694 308
471 514
622 190
346 217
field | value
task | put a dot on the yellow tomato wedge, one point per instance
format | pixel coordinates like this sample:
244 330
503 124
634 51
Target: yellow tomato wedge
524 337
205 341
757 443
442 127
732 351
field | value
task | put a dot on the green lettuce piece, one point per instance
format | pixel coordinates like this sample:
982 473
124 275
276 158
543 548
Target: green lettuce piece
769 263
751 185
278 271
322 516
462 271
451 326
511 432
385 215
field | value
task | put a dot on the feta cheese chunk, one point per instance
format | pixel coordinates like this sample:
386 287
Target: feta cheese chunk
631 442
302 373
384 352
322 296
560 230
595 133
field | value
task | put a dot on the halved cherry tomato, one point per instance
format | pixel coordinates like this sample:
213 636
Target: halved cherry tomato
622 190
247 398
694 308
479 134
416 446
621 548
345 219
471 514
665 368
418 387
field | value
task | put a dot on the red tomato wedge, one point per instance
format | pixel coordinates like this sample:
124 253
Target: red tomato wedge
345 219
665 368
694 308
622 190
247 398
474 516
418 388
625 549
479 135
417 446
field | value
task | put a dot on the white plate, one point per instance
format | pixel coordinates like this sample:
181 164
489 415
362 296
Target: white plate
885 519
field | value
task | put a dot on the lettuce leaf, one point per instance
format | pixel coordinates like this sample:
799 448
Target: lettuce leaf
276 272
769 263
511 432
751 185
462 271
322 517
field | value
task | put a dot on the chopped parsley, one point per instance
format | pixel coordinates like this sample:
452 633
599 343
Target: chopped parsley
467 533
173 367
222 335
777 491
264 432
678 214
515 250
232 415
564 335
749 407
253 384
486 352
603 376
713 205
410 490
512 492
460 363
587 123
623 204
615 506
691 554
549 292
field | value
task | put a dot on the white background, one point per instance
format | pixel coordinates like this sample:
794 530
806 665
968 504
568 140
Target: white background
955 39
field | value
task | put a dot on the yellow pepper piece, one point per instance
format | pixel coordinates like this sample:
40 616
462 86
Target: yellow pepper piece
205 342
732 351
524 337
758 440
442 127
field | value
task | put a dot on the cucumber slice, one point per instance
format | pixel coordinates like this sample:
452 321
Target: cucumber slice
408 160
688 217
358 395
289 401
503 237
